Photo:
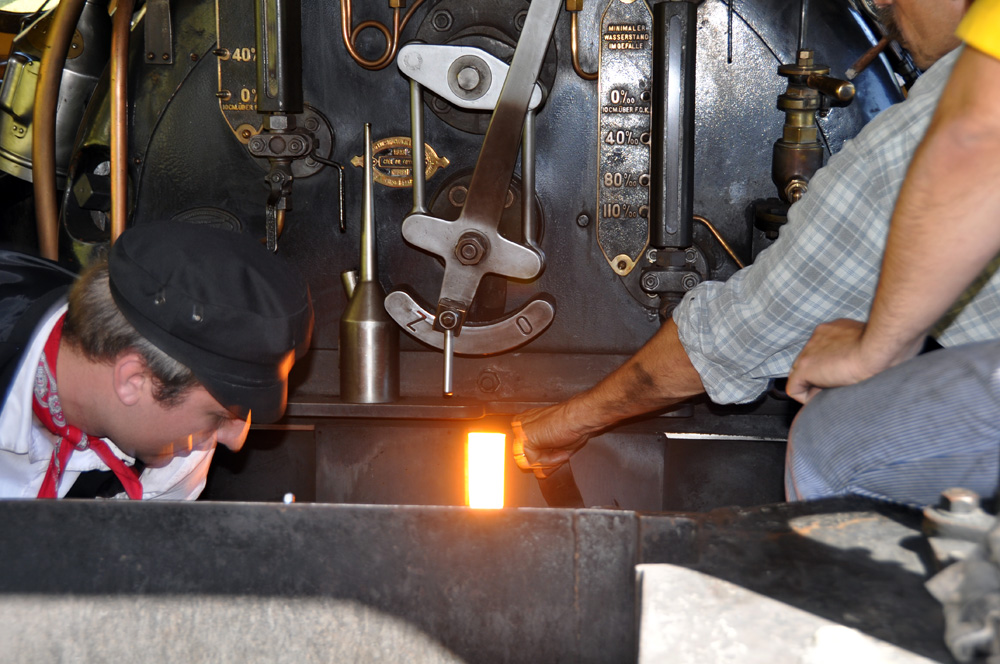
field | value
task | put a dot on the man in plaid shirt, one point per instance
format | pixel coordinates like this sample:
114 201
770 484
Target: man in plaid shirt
731 339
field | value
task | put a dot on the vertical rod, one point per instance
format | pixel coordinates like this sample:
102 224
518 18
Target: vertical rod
369 266
803 28
417 146
729 34
448 357
528 220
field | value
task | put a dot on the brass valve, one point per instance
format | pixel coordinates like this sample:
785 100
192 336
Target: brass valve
798 153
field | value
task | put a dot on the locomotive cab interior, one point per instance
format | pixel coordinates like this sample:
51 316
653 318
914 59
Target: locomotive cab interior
494 204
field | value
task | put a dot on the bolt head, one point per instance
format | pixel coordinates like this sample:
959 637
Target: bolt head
488 381
442 20
959 501
457 195
448 319
468 78
471 248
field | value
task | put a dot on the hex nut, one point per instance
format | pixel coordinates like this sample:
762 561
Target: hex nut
958 500
488 381
471 248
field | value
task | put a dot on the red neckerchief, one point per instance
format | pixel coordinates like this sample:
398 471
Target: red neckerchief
48 409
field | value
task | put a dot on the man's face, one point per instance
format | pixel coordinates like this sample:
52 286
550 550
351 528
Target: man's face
157 433
925 28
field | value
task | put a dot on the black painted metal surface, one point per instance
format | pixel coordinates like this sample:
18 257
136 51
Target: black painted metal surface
492 586
184 155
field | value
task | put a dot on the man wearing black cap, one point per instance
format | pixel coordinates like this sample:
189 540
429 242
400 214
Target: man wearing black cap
175 343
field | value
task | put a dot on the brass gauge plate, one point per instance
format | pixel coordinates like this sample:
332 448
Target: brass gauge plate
624 116
237 62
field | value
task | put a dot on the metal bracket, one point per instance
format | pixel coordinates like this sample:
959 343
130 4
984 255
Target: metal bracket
159 33
465 76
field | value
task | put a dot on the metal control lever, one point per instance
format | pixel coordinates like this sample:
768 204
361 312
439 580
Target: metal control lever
472 246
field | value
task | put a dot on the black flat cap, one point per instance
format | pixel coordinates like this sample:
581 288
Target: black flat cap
218 302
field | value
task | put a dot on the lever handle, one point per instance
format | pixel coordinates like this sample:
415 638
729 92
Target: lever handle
841 91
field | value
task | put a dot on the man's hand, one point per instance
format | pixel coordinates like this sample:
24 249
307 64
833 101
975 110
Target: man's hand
832 357
545 438
839 353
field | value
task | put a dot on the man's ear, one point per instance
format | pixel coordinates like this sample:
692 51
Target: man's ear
131 378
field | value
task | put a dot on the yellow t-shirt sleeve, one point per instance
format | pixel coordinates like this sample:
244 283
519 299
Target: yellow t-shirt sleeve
981 27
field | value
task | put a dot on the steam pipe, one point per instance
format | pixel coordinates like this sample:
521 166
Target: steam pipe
350 35
574 30
43 151
718 238
120 28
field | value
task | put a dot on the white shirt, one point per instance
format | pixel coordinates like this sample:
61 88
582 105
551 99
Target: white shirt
26 446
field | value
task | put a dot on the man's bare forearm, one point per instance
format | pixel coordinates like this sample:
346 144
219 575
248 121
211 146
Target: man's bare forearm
946 225
658 375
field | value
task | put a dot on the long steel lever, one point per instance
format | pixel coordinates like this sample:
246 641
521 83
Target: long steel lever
472 246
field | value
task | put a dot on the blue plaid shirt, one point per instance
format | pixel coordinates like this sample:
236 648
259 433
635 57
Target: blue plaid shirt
825 265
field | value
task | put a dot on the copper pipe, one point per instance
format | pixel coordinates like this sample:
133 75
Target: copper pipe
120 28
725 245
391 42
574 31
867 58
350 35
43 130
